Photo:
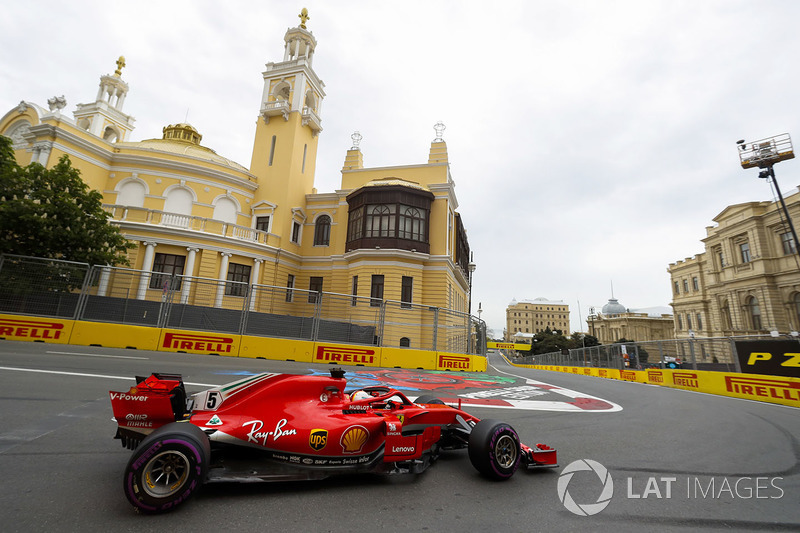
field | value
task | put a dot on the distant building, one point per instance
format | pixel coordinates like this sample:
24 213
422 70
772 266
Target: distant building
748 279
615 322
532 316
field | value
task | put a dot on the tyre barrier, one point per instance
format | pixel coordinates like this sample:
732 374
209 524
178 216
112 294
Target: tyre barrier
108 335
772 389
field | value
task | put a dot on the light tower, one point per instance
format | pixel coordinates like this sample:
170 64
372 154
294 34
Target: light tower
764 154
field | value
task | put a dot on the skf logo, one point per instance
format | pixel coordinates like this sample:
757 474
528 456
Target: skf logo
685 379
198 343
454 362
345 355
655 376
765 388
30 329
318 439
354 438
624 374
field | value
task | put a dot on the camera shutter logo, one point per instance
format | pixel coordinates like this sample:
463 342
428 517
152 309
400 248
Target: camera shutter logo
586 509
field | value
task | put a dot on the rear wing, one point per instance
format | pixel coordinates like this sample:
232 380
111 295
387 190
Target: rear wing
153 402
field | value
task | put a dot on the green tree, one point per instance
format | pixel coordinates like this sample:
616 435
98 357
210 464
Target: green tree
583 340
52 213
548 341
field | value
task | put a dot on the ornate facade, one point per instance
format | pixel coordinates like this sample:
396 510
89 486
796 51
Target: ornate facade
528 317
747 281
615 322
390 233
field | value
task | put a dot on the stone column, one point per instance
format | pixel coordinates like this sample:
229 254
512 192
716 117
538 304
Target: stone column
188 273
102 287
254 280
223 274
147 265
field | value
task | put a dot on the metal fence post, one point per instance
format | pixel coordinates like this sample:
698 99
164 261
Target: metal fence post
382 324
691 354
317 316
735 355
435 327
84 294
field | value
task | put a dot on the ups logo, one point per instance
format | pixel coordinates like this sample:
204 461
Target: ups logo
318 439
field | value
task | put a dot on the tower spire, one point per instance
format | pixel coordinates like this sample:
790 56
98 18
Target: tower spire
104 116
304 18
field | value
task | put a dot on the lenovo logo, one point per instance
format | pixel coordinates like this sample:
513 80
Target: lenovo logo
198 343
30 329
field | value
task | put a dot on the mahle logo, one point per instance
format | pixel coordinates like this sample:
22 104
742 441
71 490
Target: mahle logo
585 509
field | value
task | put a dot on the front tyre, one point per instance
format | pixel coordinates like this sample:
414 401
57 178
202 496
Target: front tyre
167 468
494 449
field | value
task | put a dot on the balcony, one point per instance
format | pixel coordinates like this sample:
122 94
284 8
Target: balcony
311 119
209 226
274 109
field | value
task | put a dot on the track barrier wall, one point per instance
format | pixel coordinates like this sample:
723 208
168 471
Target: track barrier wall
772 389
82 333
47 300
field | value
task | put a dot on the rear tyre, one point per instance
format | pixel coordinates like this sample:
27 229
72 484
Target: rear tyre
428 399
494 449
167 468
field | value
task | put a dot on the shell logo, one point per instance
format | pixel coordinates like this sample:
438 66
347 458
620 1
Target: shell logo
354 438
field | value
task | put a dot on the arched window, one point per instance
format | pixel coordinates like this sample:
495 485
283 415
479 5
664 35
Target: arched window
110 135
412 224
131 193
796 302
755 313
311 102
282 91
322 231
405 342
380 222
725 311
178 207
225 210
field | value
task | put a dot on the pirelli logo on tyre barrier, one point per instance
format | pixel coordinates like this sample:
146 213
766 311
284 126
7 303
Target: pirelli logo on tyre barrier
773 389
112 335
17 328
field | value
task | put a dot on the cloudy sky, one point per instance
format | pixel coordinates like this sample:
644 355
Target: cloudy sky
591 142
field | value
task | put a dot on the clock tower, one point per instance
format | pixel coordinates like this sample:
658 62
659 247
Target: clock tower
285 146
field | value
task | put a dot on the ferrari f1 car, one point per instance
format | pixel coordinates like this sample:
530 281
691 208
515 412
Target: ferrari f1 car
276 427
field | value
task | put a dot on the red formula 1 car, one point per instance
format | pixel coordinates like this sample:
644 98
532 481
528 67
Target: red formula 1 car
275 427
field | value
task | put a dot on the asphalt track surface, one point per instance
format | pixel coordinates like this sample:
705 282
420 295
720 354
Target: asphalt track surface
678 460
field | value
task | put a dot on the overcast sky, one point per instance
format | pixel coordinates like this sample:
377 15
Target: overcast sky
591 142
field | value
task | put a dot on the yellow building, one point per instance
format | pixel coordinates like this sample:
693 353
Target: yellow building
747 281
528 317
390 233
615 322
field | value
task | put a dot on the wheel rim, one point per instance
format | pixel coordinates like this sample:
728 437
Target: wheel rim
505 452
165 473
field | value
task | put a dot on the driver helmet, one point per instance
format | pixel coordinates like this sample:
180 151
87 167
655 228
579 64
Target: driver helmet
359 395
